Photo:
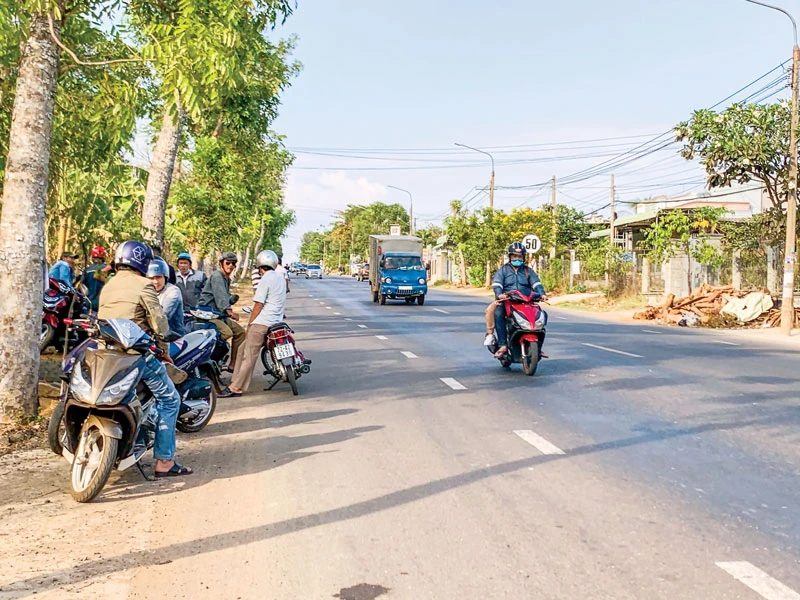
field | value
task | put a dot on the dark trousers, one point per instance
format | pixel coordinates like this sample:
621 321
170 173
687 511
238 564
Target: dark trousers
500 327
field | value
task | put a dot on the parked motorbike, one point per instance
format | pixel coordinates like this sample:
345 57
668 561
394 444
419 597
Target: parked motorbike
525 328
281 359
60 302
199 319
106 417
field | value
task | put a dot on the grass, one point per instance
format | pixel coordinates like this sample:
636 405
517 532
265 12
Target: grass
603 304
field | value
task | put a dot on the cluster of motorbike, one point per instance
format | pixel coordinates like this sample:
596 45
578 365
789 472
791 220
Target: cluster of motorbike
106 416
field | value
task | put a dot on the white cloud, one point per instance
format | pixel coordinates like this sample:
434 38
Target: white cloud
316 197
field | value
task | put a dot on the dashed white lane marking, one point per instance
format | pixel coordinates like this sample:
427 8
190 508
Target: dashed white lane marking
338 314
322 303
409 354
449 381
562 318
444 312
758 581
538 442
631 354
362 326
381 337
726 343
651 331
348 319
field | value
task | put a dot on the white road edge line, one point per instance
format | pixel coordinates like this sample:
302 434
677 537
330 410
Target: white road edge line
562 318
362 326
444 312
409 354
449 381
381 337
631 354
758 581
651 331
726 343
538 442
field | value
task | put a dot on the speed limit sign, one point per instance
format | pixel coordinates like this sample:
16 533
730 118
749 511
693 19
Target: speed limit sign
532 243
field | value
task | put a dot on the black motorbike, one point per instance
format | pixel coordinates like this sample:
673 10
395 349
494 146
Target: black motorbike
60 303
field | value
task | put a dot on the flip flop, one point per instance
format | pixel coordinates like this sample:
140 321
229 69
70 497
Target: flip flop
501 352
176 471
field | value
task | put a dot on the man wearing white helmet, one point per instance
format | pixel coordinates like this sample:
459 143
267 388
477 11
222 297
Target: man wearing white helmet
269 306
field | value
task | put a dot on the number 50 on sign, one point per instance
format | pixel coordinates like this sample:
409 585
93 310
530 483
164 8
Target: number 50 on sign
532 243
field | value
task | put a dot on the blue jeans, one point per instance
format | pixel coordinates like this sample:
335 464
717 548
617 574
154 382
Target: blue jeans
168 403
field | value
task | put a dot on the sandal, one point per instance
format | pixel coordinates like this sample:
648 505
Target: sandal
501 352
176 471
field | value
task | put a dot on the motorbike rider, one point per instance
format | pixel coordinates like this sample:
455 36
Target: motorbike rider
189 281
90 279
216 294
514 275
64 269
169 297
130 295
157 254
269 305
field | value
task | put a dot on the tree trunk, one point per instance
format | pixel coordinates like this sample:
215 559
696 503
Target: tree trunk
160 178
462 268
61 240
260 240
22 221
246 260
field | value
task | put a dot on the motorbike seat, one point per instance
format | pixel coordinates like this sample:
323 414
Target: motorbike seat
278 326
176 347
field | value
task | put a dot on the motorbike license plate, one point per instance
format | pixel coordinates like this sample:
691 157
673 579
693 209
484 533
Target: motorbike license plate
405 288
284 351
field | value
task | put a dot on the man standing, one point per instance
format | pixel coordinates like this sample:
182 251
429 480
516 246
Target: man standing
269 304
189 281
217 295
90 279
130 295
64 269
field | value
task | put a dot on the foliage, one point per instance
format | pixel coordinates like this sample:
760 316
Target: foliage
672 233
745 142
312 247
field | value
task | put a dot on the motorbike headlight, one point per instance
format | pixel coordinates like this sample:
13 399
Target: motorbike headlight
79 387
522 321
540 321
115 392
422 281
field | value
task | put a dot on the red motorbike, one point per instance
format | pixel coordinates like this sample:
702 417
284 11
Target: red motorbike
59 302
281 358
525 329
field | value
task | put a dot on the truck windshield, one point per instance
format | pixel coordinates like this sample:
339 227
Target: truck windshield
403 263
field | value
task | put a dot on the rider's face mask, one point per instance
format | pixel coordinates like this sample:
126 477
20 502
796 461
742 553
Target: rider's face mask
517 261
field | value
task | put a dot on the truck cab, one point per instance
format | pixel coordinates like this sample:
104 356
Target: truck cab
397 270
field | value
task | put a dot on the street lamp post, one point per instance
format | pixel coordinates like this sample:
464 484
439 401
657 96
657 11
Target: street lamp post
411 205
790 250
491 181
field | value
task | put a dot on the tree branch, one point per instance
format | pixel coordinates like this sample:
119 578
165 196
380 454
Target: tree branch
74 56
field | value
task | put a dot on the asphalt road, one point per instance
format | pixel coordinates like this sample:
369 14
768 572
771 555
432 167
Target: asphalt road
639 463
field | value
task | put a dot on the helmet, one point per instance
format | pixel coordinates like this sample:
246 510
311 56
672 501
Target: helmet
98 252
267 258
158 266
517 248
185 256
136 255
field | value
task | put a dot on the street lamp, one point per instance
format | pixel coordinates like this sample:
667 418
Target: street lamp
491 181
790 251
411 207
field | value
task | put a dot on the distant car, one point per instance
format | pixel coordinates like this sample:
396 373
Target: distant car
313 271
301 268
363 272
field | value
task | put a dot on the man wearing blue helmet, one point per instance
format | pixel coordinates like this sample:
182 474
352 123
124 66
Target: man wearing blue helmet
169 296
130 295
189 281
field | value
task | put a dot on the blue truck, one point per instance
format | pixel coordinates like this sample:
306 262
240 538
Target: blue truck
396 269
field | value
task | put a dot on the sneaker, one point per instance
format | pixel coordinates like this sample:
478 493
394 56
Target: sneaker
489 339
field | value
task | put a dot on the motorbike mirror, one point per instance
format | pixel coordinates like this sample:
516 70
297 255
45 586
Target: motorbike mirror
247 309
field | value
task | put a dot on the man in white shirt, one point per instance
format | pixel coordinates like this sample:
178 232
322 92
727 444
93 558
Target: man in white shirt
269 305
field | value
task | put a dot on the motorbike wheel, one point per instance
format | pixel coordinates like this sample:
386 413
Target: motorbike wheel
200 424
530 360
46 336
382 299
292 379
265 360
421 299
56 429
93 462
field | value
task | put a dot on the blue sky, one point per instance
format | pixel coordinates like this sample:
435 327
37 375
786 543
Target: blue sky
380 76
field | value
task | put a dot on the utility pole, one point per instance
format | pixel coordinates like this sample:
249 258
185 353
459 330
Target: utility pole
555 218
491 180
611 235
790 249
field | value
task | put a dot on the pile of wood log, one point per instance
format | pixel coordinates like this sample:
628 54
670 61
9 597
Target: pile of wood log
706 302
772 318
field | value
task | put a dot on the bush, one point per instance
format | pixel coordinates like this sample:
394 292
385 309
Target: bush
476 275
